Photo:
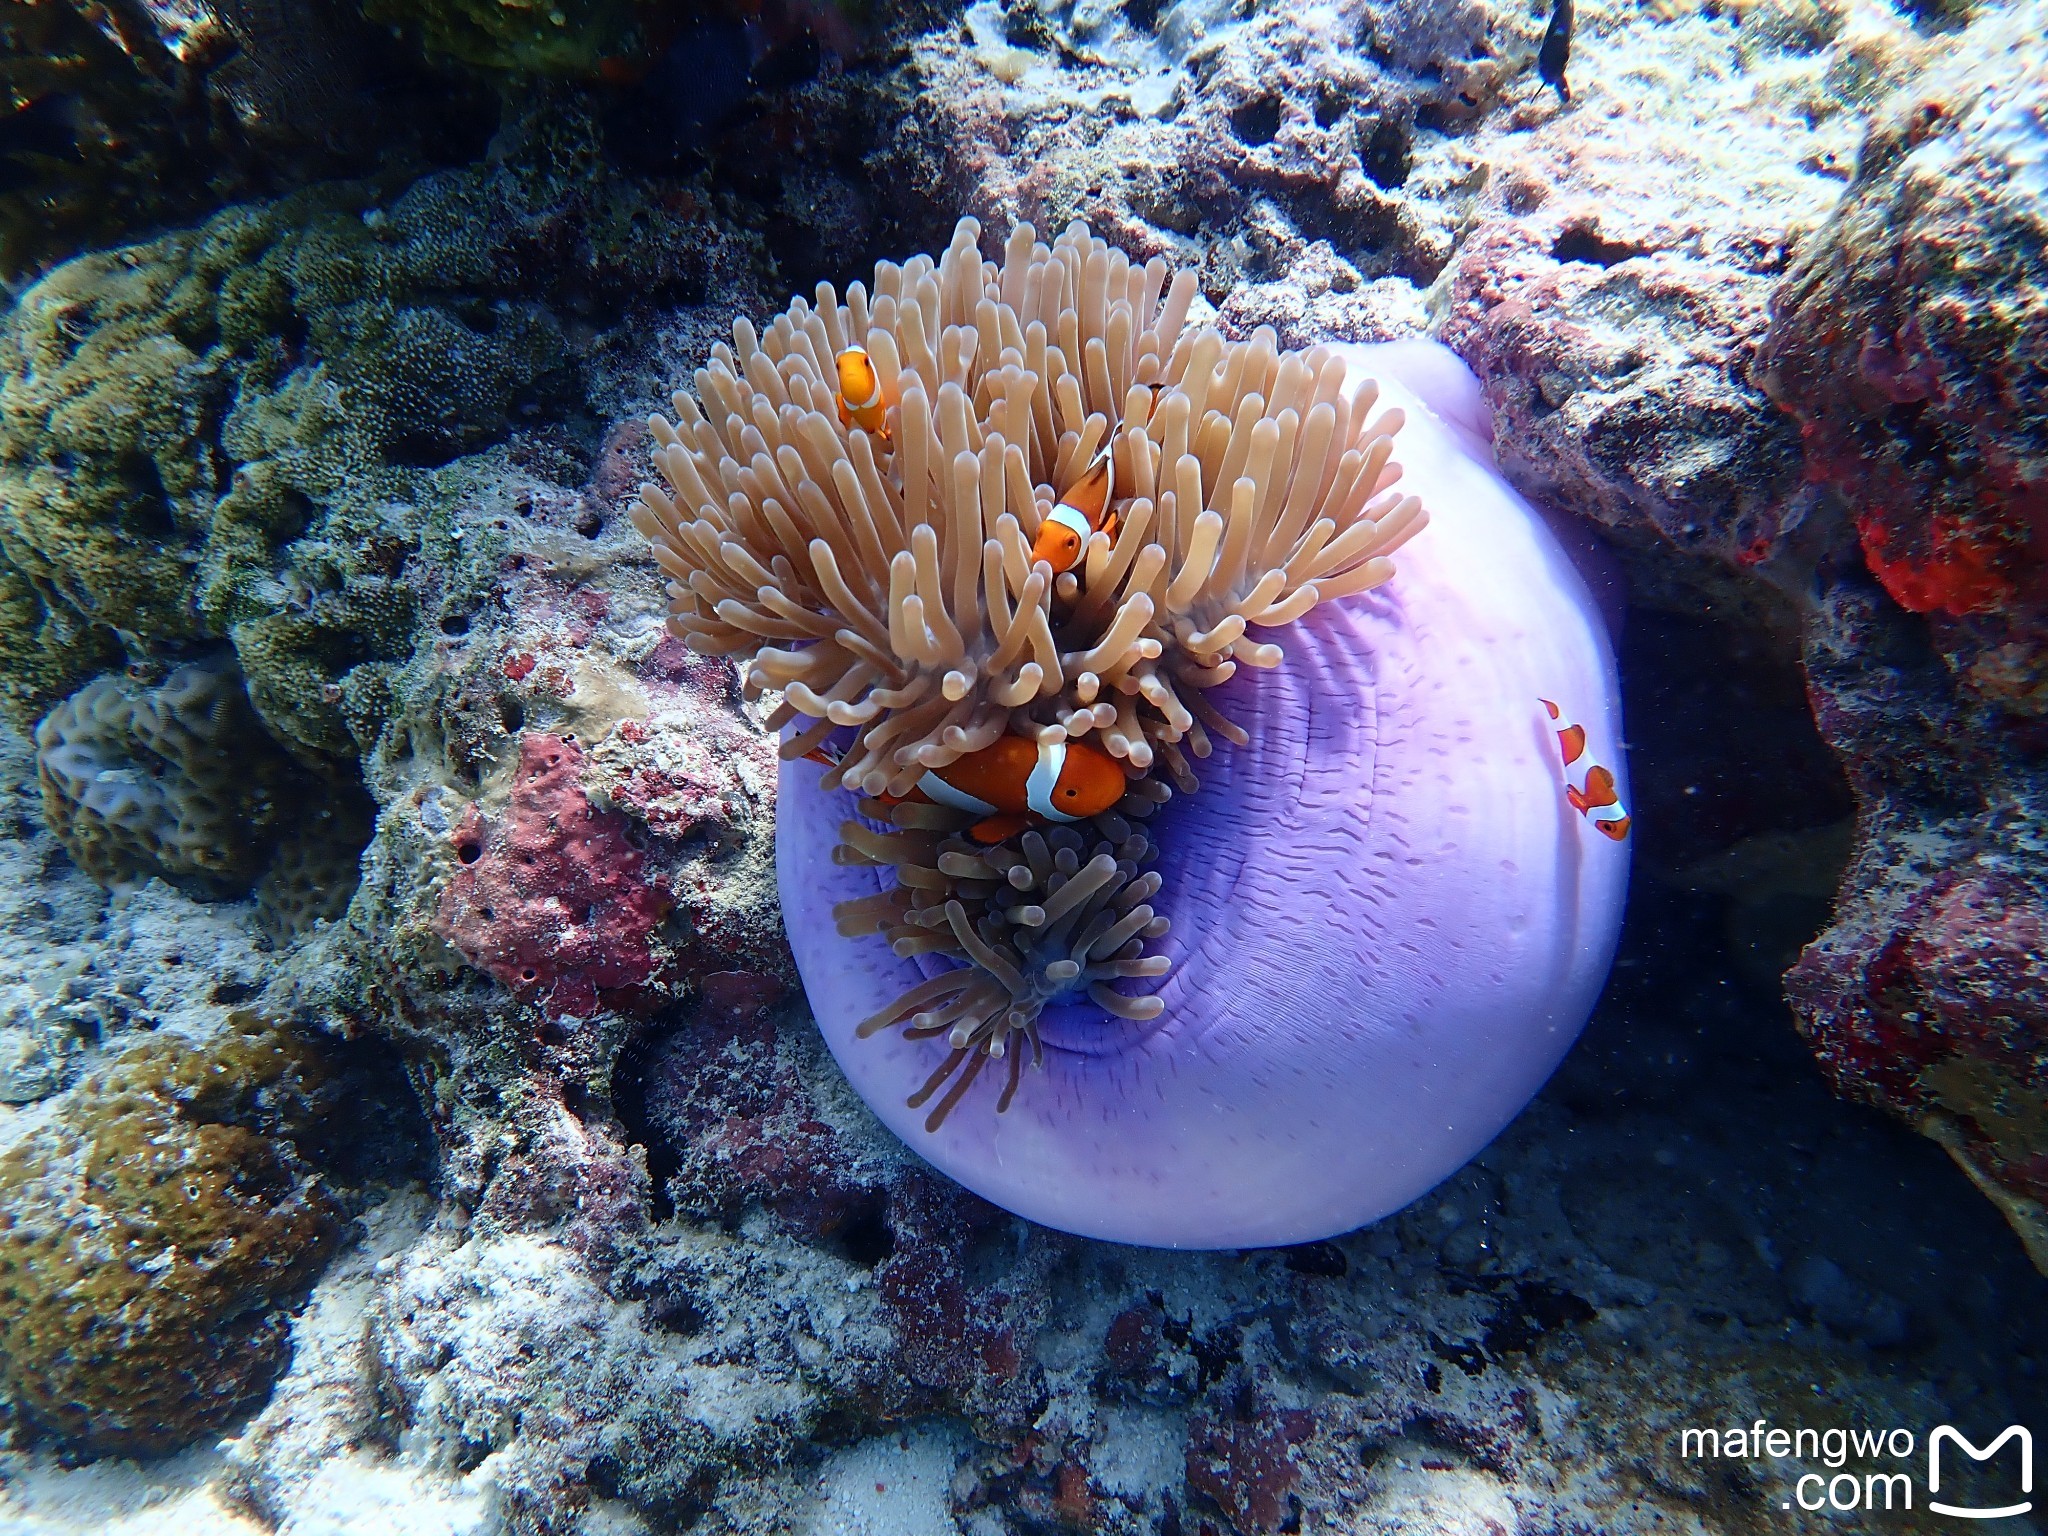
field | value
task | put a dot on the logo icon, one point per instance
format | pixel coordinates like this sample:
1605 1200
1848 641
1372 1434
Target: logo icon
1948 1432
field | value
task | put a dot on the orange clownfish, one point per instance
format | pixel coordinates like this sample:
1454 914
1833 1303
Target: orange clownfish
861 403
1082 511
1594 796
1015 782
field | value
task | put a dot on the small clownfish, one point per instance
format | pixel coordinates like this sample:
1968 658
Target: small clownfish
1015 782
1594 796
861 403
1082 511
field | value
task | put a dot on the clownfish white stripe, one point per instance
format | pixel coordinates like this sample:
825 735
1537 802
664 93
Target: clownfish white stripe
1045 778
945 794
1071 517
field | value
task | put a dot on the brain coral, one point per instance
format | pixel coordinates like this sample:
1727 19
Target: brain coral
176 780
152 1240
1390 827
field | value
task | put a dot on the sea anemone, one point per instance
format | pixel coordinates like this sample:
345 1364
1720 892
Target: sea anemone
895 567
884 580
1382 921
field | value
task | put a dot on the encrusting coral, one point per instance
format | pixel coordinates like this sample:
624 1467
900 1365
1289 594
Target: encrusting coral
249 432
152 1239
884 580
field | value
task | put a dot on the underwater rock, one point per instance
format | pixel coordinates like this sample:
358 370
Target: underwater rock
744 1130
1910 341
1307 159
155 1238
1928 995
1614 292
576 37
104 130
121 120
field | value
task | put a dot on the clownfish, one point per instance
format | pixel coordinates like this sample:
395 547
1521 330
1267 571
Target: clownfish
1594 797
1015 782
861 403
1082 511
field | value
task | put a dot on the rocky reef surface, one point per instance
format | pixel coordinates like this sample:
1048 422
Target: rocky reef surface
493 1157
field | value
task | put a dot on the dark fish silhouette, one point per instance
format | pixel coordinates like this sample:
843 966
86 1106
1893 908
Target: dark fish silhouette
1557 48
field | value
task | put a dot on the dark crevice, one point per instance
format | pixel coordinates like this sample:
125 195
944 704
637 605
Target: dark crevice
629 1104
865 1238
1584 243
1257 122
1388 153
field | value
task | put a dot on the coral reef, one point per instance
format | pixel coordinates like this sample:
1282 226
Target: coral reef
585 764
175 780
231 432
669 1271
1909 340
152 1242
815 1314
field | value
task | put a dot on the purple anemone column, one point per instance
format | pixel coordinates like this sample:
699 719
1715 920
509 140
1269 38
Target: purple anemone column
1388 925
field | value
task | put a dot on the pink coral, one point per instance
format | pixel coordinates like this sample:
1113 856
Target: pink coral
551 899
